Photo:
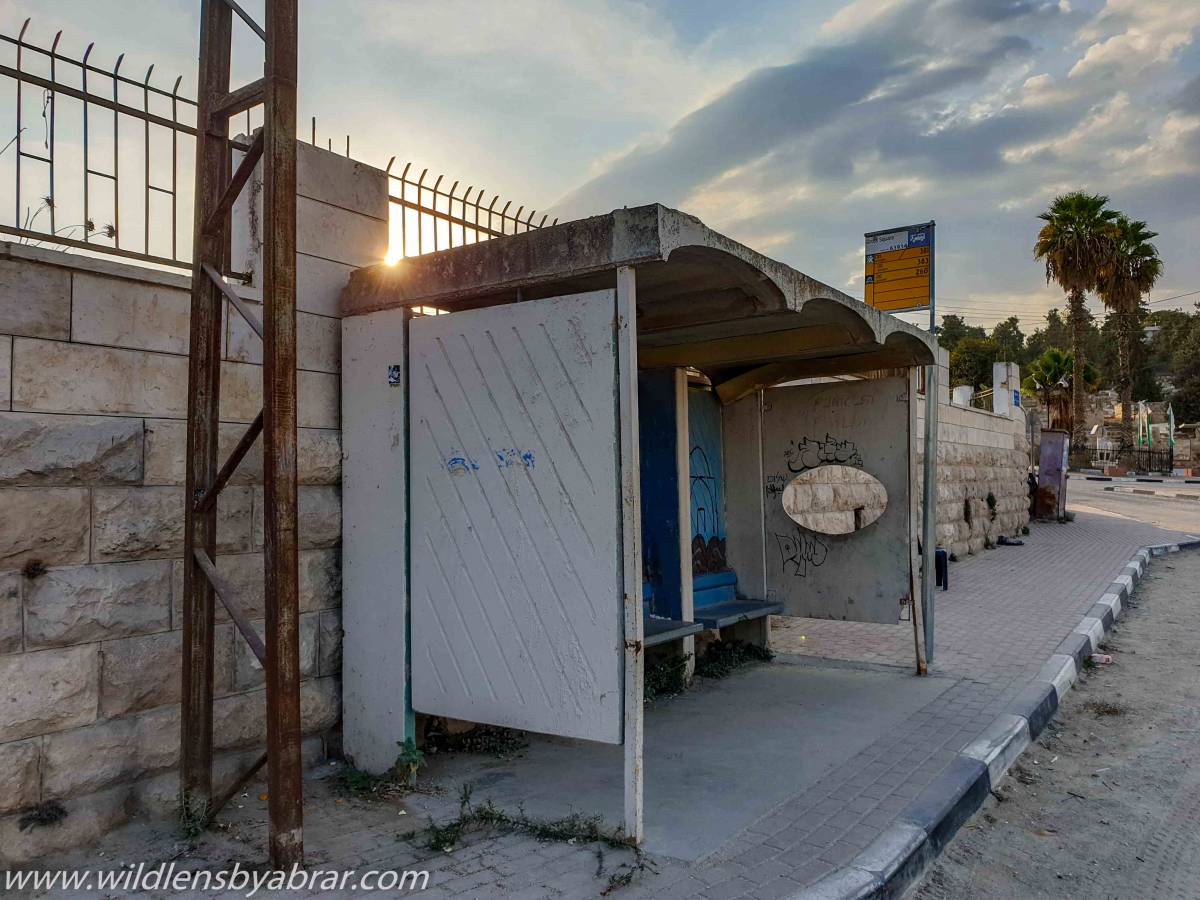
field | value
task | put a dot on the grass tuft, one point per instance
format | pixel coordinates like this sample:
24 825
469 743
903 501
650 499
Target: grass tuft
400 778
726 657
487 740
666 677
572 829
193 817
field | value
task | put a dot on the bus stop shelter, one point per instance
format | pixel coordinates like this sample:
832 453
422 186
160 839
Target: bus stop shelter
567 446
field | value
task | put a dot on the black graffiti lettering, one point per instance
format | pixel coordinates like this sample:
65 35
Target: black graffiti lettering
801 552
810 453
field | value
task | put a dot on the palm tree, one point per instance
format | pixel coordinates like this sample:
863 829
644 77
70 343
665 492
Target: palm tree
1076 244
1050 378
1133 271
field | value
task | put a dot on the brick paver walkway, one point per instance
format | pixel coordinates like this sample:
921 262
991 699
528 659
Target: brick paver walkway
1006 612
1004 615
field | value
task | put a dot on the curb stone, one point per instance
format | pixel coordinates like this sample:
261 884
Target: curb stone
1163 549
887 866
1153 493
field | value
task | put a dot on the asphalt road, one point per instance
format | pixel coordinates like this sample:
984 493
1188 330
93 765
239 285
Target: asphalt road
1165 512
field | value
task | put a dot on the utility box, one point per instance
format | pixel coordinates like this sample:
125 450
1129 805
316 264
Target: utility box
1052 474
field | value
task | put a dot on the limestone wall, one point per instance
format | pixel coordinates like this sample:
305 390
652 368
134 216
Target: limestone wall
979 453
93 396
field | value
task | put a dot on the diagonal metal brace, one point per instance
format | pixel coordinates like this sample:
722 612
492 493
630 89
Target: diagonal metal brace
209 497
228 597
241 782
231 295
216 219
245 17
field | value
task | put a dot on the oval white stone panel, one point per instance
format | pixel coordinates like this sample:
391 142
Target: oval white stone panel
834 499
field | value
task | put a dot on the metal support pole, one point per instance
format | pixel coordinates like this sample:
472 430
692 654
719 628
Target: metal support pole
284 773
204 382
914 487
683 481
631 549
929 488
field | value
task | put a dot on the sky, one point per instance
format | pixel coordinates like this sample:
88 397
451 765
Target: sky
793 126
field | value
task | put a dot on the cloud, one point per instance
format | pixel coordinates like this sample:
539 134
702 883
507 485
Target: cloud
882 82
792 126
973 111
1130 37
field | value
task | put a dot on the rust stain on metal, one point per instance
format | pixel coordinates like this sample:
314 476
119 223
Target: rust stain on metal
215 194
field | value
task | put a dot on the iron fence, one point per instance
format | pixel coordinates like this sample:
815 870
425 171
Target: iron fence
109 170
1148 459
982 400
1140 460
429 217
102 161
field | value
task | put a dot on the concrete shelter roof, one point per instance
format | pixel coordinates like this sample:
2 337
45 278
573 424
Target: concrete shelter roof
703 299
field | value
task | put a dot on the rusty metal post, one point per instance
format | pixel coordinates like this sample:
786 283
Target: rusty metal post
285 789
204 381
216 191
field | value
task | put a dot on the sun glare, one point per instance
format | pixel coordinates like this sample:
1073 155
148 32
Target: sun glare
395 251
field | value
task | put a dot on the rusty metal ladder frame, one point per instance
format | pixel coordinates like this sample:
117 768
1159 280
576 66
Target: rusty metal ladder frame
216 191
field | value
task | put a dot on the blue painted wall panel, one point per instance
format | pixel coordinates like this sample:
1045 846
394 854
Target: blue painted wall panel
707 482
660 491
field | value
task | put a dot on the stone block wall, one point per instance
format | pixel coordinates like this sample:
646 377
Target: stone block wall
93 397
979 453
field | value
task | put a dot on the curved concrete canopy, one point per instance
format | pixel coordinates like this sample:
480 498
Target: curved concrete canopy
703 299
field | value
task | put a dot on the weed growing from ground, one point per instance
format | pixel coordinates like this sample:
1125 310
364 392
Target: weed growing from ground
400 778
489 740
666 677
726 657
572 829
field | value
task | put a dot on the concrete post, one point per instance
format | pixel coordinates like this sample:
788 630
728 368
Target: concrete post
1006 378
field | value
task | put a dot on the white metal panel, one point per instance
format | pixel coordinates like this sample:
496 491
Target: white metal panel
517 575
374 537
864 576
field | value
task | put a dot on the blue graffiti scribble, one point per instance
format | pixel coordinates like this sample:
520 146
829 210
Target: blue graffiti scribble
511 457
459 463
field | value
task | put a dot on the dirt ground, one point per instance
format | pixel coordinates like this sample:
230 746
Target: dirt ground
1106 803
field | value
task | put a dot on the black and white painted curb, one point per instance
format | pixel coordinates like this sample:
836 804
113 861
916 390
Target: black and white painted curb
897 857
1146 492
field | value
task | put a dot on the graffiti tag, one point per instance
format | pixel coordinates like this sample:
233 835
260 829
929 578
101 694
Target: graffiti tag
801 552
813 452
459 463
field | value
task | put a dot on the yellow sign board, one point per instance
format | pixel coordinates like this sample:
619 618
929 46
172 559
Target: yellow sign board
899 268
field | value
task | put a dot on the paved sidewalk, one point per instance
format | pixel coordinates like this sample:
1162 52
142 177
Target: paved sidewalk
1006 613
